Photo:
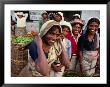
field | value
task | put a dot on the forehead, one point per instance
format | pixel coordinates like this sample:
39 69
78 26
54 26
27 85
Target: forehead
77 24
93 23
57 15
55 29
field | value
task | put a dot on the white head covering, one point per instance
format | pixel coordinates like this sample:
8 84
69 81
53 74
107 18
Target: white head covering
66 24
77 15
61 14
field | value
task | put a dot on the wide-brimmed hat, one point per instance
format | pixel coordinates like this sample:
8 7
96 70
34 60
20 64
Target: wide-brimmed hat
47 25
77 21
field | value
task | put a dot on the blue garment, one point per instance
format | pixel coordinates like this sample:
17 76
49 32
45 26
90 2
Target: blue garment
33 51
68 48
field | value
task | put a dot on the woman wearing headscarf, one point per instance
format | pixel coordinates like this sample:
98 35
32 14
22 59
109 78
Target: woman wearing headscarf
47 52
77 25
59 17
88 46
66 27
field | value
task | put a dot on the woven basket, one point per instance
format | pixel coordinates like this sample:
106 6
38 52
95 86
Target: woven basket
19 31
19 59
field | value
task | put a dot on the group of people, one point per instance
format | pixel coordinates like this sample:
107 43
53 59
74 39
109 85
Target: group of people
62 46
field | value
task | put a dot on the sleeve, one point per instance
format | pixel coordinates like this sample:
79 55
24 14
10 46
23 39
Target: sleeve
98 41
33 50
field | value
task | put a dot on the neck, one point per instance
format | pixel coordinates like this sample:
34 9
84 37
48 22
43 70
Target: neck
75 36
91 34
46 47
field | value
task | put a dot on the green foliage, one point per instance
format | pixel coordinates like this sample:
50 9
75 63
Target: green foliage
21 39
71 74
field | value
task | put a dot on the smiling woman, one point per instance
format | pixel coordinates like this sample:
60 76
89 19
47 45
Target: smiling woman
88 45
48 49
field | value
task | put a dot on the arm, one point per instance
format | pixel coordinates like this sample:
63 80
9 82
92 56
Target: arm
80 61
64 57
26 15
41 61
80 53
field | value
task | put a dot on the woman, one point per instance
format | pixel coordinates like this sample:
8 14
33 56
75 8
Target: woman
88 46
77 25
47 51
66 27
43 19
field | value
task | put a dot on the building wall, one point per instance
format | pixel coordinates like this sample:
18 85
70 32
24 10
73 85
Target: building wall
87 14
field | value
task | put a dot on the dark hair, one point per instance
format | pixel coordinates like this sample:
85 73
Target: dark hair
90 21
87 30
93 20
54 27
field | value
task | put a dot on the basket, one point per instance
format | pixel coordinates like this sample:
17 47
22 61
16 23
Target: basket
19 59
20 31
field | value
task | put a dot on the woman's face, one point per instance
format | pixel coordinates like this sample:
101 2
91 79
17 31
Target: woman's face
45 16
76 29
57 18
65 31
51 37
93 27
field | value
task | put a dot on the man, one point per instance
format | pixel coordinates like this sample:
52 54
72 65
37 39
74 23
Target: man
21 23
21 19
47 51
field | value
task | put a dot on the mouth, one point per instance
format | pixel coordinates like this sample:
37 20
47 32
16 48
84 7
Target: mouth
76 32
93 30
51 41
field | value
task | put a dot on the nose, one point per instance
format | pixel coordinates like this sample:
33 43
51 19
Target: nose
77 29
94 27
54 37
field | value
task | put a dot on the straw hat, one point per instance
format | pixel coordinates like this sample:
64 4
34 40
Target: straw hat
47 25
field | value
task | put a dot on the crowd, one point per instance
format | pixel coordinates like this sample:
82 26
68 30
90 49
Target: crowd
62 46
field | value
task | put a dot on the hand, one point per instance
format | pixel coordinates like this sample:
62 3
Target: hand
56 68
